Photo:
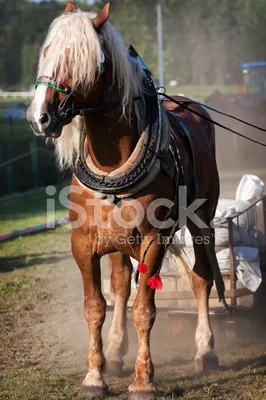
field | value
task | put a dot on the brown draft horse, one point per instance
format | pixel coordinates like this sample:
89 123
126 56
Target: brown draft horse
84 65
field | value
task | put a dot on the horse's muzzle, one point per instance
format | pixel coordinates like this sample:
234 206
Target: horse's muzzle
48 125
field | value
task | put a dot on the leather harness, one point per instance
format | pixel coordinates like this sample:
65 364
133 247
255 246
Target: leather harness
158 155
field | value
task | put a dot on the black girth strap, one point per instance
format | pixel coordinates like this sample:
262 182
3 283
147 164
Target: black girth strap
186 133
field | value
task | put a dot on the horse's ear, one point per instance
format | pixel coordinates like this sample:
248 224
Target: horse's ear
101 18
46 50
70 8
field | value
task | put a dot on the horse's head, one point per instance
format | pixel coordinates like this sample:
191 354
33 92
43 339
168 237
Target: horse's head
70 69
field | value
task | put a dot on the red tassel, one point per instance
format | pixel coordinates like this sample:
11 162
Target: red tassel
142 268
155 282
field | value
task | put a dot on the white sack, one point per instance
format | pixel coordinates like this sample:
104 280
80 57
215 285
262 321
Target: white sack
247 265
250 188
222 236
252 238
228 208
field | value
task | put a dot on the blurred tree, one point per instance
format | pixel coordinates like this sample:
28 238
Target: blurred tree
204 41
10 41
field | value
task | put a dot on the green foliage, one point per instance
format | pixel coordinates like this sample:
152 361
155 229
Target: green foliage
204 41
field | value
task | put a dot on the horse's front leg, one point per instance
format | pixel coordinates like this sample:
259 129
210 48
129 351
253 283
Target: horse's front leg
144 313
121 270
94 307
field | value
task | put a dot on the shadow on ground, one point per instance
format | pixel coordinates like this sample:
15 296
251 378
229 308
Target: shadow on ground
8 264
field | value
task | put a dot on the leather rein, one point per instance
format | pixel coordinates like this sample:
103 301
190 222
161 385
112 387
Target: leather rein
67 111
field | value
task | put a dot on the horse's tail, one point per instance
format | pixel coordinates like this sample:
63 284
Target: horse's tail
179 257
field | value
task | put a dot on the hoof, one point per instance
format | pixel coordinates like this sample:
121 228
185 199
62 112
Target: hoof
142 395
92 392
207 363
114 368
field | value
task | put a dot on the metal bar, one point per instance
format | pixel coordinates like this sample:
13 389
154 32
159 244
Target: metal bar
34 229
264 212
237 214
160 43
12 160
256 221
17 94
231 259
248 220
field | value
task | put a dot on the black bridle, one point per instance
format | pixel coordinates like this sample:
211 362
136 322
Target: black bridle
66 108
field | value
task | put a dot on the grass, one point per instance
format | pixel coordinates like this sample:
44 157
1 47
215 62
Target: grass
34 250
26 269
27 211
28 265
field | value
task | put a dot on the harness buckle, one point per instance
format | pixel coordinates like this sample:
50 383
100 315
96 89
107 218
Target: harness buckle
67 113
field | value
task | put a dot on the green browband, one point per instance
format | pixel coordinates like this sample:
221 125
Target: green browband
52 83
60 87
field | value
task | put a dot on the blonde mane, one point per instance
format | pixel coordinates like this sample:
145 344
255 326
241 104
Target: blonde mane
73 37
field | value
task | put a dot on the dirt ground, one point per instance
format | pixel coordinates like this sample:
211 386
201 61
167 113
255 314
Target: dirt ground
44 337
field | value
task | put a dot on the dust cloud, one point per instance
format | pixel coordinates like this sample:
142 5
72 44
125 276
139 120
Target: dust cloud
172 338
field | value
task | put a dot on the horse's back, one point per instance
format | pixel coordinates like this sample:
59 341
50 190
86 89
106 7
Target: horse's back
201 129
194 139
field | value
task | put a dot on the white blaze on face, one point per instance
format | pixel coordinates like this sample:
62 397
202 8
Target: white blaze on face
39 104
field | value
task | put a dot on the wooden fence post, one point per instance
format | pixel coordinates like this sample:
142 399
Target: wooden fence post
264 213
58 173
232 261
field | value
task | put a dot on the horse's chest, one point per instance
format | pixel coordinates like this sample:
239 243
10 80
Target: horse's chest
121 225
113 227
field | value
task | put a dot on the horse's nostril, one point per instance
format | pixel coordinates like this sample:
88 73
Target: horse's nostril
44 119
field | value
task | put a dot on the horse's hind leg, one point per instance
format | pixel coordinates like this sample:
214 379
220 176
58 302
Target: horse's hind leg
94 307
121 270
202 281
